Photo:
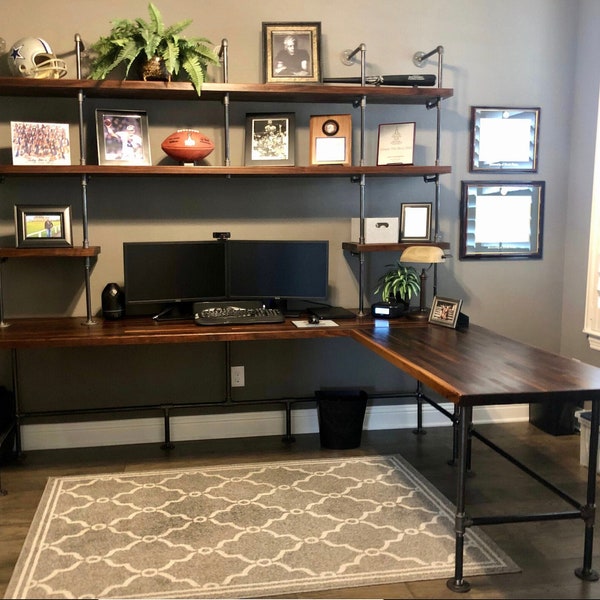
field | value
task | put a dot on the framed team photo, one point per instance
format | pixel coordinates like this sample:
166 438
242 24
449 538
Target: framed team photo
270 139
292 52
43 226
122 137
40 143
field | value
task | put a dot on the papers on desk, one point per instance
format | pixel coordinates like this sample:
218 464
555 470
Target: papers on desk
322 323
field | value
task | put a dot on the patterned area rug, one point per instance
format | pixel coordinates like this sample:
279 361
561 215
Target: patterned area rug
245 530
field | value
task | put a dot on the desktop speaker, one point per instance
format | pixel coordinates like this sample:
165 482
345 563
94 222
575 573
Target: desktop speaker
113 302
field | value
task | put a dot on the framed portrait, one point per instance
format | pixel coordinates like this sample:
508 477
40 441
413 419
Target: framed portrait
122 137
445 311
396 144
43 226
415 222
270 139
40 143
504 140
501 219
292 52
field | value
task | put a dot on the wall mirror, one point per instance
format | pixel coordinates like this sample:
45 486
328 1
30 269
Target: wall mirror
504 140
501 220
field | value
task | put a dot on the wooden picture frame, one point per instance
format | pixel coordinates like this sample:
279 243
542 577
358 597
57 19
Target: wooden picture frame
270 139
504 140
415 222
501 219
123 137
40 143
292 52
445 311
46 226
330 140
396 144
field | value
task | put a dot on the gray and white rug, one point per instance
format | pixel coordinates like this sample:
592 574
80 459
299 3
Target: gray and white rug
244 530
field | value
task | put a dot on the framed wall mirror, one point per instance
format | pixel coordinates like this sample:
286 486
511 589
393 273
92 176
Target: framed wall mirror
504 140
501 219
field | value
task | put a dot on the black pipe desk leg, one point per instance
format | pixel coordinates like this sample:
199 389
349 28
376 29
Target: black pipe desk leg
419 396
589 510
288 438
458 584
168 445
452 461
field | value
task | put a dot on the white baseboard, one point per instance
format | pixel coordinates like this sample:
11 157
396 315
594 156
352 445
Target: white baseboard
234 425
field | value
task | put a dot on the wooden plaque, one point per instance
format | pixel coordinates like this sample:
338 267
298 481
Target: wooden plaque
331 140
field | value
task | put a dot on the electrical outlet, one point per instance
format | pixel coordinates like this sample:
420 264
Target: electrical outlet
237 377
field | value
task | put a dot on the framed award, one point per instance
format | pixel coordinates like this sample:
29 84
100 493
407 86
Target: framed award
331 140
396 144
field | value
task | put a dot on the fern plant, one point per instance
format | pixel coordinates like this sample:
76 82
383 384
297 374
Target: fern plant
399 284
130 40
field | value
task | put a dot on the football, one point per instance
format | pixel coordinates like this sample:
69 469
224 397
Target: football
187 145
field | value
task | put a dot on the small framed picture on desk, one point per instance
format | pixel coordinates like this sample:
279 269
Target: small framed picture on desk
445 311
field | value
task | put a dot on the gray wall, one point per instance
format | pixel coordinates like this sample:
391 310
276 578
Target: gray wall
509 53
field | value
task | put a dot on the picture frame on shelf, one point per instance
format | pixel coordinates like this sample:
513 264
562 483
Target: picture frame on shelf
415 222
504 140
396 144
330 140
40 143
43 226
292 52
123 137
501 219
270 139
445 311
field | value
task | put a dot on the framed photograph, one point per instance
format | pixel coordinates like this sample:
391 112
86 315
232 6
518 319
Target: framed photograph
43 226
40 143
292 52
504 140
445 311
415 222
123 137
396 144
501 219
330 140
270 139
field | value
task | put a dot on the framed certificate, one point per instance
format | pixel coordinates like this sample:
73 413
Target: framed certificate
396 144
330 140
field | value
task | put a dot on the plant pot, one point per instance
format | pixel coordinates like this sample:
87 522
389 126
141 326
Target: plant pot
154 69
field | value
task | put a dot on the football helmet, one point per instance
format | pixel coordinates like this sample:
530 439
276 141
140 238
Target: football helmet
33 57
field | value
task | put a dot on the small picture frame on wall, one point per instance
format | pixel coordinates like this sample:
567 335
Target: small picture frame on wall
415 222
504 140
43 226
270 139
122 137
396 144
40 143
445 311
292 52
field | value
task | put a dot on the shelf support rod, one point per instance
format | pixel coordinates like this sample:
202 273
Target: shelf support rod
361 255
224 57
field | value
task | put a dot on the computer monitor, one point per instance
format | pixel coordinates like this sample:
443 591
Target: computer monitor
278 270
171 276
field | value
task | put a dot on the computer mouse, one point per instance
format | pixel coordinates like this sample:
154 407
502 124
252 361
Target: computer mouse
313 319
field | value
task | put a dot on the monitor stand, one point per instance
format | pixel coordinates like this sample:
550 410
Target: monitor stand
176 312
283 306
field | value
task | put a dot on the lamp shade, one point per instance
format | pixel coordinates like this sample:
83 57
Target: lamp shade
422 254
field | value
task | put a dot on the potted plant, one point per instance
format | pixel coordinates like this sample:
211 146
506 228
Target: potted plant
399 284
152 42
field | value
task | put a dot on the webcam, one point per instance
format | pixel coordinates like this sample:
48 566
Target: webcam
221 235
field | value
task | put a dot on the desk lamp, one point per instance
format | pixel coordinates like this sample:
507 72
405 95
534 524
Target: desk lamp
422 254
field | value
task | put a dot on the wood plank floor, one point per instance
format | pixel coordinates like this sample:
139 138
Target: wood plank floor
547 552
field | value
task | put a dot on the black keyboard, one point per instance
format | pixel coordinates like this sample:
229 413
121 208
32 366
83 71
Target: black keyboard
234 313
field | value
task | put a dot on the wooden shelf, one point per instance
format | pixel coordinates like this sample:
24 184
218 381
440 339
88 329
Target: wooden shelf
74 252
210 171
246 92
356 248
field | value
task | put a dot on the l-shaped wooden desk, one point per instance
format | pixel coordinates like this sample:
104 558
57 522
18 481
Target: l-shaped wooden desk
470 367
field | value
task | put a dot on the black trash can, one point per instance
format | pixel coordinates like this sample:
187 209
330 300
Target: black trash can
341 415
